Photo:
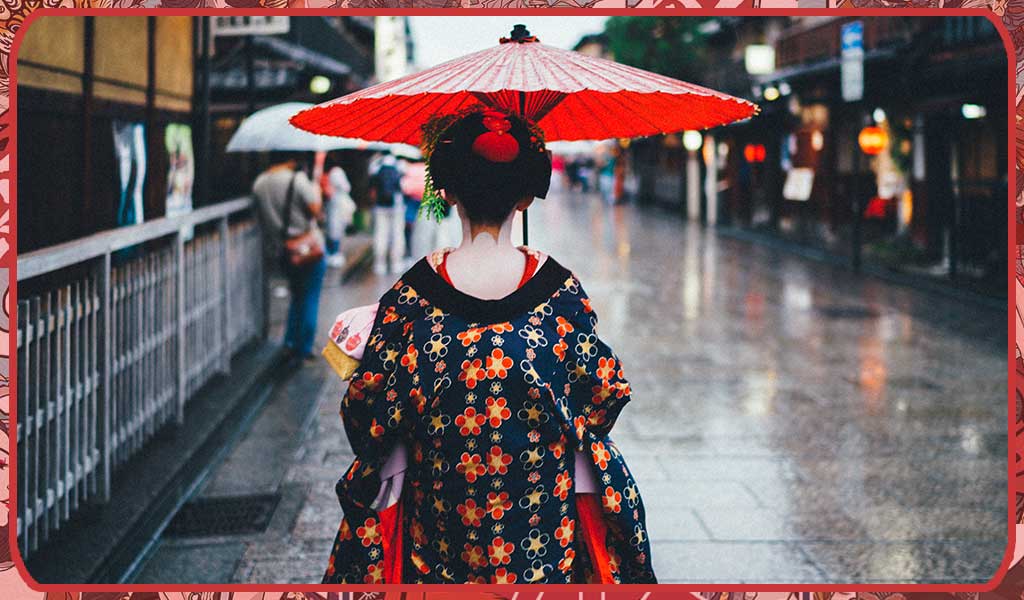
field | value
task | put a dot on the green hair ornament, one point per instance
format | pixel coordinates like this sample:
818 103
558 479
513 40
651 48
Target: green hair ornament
433 206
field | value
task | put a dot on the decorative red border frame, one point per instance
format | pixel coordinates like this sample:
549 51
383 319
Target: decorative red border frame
18 14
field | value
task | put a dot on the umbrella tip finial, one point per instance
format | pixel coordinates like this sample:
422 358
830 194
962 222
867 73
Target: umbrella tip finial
519 34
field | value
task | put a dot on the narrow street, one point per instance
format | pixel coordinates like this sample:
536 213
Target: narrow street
791 422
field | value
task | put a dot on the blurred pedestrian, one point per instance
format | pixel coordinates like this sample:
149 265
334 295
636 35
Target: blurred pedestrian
606 179
340 211
388 216
584 172
289 205
412 182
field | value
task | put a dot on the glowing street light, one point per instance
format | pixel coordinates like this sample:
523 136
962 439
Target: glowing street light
973 111
692 140
319 84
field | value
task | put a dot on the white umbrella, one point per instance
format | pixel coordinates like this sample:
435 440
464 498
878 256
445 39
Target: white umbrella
574 147
404 151
269 129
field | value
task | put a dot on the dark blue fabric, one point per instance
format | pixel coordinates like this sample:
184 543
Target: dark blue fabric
491 412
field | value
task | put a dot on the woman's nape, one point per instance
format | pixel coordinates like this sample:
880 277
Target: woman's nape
486 265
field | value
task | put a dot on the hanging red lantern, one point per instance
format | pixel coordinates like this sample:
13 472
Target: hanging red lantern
873 140
754 153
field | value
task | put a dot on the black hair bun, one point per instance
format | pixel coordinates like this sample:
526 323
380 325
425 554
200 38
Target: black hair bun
488 189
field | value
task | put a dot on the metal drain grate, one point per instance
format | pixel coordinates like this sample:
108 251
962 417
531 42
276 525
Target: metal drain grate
847 312
226 515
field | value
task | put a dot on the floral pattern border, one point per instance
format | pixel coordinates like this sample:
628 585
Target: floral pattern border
13 14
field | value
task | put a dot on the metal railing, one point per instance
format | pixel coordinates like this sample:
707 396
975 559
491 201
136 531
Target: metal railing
116 331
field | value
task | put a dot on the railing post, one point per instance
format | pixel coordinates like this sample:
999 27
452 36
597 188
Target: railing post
179 263
225 296
106 431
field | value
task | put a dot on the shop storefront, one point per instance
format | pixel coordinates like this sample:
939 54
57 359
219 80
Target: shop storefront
907 173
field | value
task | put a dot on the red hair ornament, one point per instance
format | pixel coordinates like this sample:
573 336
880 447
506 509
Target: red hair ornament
495 144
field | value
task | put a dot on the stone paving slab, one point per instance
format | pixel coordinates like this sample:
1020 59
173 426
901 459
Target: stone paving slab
735 562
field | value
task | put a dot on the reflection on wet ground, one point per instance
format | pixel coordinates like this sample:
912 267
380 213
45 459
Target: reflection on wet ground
792 421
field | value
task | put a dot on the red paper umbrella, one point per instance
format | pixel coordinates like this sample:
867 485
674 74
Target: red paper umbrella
569 95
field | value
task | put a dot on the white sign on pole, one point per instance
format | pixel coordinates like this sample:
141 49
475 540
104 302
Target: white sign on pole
851 66
232 25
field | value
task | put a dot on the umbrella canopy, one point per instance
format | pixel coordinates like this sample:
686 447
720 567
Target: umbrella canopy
569 95
269 129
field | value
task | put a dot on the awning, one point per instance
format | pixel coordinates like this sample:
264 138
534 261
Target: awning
802 70
300 54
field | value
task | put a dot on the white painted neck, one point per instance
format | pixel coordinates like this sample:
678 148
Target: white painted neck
486 264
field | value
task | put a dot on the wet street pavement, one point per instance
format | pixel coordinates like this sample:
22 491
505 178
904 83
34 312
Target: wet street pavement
791 422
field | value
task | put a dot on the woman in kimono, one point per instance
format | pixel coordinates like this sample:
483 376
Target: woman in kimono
481 408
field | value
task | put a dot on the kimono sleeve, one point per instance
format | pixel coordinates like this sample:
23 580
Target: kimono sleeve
376 408
598 388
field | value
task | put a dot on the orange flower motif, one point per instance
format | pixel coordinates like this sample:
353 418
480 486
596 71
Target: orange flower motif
505 327
472 372
605 368
369 382
419 400
559 349
503 576
563 483
376 430
418 562
498 461
469 422
601 392
557 448
564 326
472 466
409 359
498 504
369 533
500 551
601 455
470 513
498 364
345 531
474 556
419 536
597 417
470 336
579 423
566 563
497 411
565 531
586 305
390 315
611 500
374 573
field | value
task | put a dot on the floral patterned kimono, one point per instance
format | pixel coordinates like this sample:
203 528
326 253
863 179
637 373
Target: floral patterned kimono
492 399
